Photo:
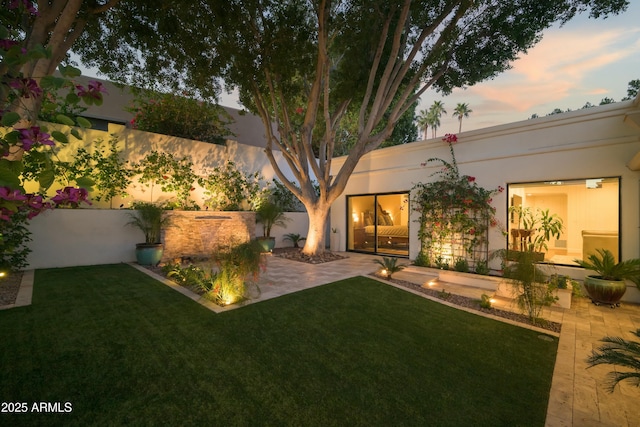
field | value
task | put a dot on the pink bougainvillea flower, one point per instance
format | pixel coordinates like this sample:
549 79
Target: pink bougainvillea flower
71 196
28 88
500 189
28 4
471 178
299 110
450 138
32 136
5 214
7 193
6 44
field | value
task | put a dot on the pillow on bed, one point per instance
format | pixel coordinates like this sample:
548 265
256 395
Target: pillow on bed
386 218
368 219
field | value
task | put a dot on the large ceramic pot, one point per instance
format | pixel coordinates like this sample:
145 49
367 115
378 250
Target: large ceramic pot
267 243
149 253
605 291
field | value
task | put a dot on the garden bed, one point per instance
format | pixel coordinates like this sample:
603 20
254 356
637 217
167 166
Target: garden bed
474 304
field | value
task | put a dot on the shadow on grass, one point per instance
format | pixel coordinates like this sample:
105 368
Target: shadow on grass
121 348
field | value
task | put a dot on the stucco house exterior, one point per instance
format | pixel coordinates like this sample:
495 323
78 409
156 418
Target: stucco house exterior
582 165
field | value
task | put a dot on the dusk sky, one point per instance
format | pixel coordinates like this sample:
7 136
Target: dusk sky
584 61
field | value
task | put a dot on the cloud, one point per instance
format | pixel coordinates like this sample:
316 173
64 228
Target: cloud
557 68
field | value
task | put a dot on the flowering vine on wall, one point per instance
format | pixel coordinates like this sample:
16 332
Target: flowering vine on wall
455 217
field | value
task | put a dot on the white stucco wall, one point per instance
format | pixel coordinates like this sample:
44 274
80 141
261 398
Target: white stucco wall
591 143
72 237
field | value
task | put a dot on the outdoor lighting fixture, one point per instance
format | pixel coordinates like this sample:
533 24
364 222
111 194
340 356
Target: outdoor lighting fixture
492 300
431 282
384 272
2 274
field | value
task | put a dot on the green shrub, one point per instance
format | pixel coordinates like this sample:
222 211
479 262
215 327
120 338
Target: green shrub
422 260
482 267
485 301
14 237
461 265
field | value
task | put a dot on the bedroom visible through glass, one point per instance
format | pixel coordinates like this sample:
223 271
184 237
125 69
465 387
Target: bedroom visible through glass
378 223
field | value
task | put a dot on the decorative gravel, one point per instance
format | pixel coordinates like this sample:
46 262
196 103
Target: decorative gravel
9 287
474 304
296 254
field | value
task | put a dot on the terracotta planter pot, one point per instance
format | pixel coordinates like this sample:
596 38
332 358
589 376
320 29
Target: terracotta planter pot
605 291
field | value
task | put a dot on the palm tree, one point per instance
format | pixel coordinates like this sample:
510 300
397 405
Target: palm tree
423 122
436 111
462 110
620 353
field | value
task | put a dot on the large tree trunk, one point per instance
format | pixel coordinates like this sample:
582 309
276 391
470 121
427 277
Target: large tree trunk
316 236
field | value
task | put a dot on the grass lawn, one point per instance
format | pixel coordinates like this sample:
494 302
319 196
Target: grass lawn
122 348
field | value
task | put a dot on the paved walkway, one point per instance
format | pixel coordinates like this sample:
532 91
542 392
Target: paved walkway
578 395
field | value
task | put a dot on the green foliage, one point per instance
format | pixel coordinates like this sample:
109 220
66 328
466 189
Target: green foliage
283 197
190 276
181 116
461 265
422 260
604 264
620 353
14 239
294 238
236 263
170 173
270 214
485 301
532 294
482 267
150 219
104 169
541 222
389 266
455 214
229 188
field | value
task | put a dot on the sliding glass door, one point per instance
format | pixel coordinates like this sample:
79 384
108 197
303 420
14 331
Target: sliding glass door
378 223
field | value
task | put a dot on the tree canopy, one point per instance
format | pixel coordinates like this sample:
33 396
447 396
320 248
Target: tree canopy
304 65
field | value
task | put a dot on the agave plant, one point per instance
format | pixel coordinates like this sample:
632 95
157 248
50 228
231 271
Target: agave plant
622 353
389 266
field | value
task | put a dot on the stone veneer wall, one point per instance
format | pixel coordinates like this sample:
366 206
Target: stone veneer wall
200 233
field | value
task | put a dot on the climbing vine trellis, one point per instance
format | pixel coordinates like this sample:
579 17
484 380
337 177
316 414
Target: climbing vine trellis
455 217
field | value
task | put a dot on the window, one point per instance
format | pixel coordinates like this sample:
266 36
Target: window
378 223
589 209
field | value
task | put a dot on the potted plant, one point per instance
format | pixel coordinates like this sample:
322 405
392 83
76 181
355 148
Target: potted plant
537 230
269 214
150 219
608 285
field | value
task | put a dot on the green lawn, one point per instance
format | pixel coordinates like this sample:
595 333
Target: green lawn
122 348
